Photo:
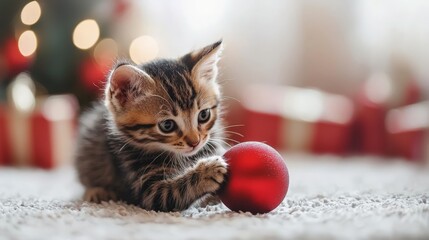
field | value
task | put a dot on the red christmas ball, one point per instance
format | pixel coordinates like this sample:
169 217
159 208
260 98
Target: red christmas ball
14 61
257 180
92 74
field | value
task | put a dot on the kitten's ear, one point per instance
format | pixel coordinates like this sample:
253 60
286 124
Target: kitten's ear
125 83
202 63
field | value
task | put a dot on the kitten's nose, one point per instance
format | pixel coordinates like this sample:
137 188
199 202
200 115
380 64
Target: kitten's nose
192 142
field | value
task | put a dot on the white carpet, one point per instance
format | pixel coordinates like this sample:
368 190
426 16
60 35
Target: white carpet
328 198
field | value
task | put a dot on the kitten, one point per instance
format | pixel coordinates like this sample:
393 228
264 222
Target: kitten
156 140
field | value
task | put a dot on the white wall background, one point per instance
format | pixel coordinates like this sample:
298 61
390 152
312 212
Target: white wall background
328 44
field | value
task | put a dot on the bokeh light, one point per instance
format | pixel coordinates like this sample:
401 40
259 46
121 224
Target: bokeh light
143 49
106 50
58 108
22 93
31 12
27 43
86 34
378 88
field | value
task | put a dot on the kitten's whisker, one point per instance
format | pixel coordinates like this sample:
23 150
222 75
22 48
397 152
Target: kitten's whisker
232 98
213 147
177 160
127 141
212 150
167 156
150 164
225 134
221 141
223 144
231 126
210 145
230 139
181 162
225 140
222 131
234 133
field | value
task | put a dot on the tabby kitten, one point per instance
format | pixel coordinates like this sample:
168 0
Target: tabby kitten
155 141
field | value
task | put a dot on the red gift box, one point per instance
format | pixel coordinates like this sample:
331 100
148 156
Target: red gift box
407 129
5 154
43 137
378 95
297 119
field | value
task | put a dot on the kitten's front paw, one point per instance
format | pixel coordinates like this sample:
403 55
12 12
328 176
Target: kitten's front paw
212 171
98 195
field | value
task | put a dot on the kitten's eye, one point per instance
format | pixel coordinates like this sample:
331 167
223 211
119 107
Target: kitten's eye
204 115
167 126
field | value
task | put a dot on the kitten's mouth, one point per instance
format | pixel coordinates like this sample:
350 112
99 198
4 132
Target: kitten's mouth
193 150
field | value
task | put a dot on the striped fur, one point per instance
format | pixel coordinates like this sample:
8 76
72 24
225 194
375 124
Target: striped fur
124 150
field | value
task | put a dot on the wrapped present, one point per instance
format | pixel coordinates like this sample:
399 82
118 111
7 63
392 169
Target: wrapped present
297 119
379 94
407 129
426 148
5 154
43 137
36 131
53 131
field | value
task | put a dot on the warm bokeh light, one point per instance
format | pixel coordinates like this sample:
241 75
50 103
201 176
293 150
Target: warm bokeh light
105 50
22 93
86 34
31 12
58 108
143 49
27 43
378 87
409 118
303 104
338 109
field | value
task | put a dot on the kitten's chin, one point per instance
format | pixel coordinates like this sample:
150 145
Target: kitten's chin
189 153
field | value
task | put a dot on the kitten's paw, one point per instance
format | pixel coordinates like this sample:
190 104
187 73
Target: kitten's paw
208 200
98 195
212 171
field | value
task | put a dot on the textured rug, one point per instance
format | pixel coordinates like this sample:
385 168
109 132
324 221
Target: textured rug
328 198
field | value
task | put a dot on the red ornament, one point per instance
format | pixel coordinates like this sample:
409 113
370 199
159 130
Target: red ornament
258 179
92 74
14 61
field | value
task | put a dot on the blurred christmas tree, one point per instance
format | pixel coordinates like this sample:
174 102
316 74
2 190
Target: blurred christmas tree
65 45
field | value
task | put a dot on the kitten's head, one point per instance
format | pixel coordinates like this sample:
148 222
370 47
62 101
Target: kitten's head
169 105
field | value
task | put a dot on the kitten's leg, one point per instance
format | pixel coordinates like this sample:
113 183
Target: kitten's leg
210 199
180 192
98 194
